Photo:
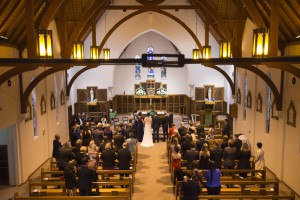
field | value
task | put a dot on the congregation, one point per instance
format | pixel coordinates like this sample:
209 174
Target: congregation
91 143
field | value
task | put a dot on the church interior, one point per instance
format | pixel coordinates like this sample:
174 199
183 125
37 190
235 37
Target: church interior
202 60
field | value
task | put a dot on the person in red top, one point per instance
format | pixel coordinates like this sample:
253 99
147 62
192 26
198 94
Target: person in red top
171 130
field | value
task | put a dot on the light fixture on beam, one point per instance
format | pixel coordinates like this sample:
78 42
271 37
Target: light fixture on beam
196 53
44 43
94 52
261 39
225 49
206 52
106 53
78 50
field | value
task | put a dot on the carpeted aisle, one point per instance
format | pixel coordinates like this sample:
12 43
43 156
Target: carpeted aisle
153 179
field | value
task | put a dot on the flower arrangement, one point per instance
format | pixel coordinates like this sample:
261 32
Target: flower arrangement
140 91
161 91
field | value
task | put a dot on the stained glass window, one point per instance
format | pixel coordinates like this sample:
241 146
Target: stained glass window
137 69
150 73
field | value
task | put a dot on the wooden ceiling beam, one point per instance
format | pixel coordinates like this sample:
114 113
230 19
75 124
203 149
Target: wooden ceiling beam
149 7
86 17
50 13
253 12
62 30
13 72
30 29
274 28
217 17
4 22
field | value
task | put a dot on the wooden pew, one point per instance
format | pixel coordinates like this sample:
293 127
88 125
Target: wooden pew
120 197
57 188
245 188
290 197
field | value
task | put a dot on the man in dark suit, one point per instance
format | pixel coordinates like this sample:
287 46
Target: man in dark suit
165 126
119 139
190 188
190 156
155 126
64 155
170 119
216 154
182 129
124 158
85 179
226 130
98 134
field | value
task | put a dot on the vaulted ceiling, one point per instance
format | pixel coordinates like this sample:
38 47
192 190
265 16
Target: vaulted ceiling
74 18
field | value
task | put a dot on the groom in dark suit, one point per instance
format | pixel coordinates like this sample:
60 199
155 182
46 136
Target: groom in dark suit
155 126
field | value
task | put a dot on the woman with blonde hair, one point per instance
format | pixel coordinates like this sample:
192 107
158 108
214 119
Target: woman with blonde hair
204 157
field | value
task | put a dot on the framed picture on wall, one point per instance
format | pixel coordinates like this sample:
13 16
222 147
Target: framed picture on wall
249 99
43 105
238 96
52 101
28 114
291 114
274 112
259 103
62 98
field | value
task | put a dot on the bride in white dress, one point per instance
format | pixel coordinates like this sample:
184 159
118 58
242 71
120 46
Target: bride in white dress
147 139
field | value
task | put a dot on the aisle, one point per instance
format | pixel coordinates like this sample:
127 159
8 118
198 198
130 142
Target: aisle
153 180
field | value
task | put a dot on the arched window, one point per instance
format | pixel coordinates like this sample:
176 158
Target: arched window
56 97
34 116
245 96
137 70
150 73
268 108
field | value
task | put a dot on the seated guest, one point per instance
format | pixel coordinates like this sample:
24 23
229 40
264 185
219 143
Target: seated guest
75 135
176 163
190 188
131 141
129 129
174 144
244 159
190 156
108 132
64 155
171 130
70 178
176 135
76 148
82 156
182 129
56 146
119 139
200 142
212 177
98 134
108 157
86 135
204 157
216 154
225 142
211 133
229 155
85 179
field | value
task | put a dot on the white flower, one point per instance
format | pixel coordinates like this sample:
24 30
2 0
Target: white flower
161 91
140 91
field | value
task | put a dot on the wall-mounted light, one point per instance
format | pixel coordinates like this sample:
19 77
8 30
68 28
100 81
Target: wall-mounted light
94 52
225 49
78 50
44 43
261 39
206 52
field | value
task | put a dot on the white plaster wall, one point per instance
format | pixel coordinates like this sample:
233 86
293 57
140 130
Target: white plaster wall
281 144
